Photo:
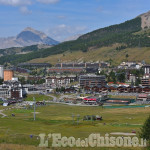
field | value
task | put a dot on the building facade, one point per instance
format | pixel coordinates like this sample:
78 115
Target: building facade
92 80
59 81
8 74
145 80
1 72
66 70
11 89
146 69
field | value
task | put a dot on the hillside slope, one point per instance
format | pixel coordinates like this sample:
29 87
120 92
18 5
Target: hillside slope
124 36
109 54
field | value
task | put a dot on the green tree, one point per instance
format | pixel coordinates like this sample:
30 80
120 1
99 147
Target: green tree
132 83
121 77
22 80
145 131
101 73
112 77
137 81
1 81
127 57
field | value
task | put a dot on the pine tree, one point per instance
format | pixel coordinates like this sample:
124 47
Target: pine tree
145 130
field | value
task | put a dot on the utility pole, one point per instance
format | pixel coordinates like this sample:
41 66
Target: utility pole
34 107
78 116
73 118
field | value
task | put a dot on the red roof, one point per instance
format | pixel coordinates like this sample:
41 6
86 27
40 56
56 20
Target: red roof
143 95
90 99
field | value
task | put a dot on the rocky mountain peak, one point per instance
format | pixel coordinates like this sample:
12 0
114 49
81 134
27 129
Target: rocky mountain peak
145 20
27 37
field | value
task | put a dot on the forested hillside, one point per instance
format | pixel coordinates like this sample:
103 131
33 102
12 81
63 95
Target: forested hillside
124 34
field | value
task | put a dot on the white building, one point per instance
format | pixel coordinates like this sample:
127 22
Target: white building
1 72
11 89
59 81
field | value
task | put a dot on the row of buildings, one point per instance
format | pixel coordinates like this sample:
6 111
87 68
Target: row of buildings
78 67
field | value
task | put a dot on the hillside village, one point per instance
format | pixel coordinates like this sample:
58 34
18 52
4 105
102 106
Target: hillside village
90 90
92 79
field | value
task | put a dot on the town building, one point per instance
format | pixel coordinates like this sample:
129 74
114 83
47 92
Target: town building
83 65
145 80
1 72
146 69
131 78
11 89
34 65
21 70
130 65
87 67
92 80
8 74
142 97
66 70
59 81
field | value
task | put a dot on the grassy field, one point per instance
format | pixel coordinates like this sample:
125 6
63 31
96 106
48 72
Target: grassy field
101 54
122 96
37 97
58 119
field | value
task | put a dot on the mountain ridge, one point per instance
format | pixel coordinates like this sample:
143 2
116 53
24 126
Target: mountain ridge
127 35
27 37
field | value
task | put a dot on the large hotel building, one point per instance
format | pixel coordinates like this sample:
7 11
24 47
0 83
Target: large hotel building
8 74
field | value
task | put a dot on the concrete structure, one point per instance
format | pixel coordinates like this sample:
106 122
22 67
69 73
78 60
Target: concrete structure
66 70
142 97
131 78
5 92
59 81
34 65
95 65
145 80
11 89
91 80
146 69
8 74
130 65
1 72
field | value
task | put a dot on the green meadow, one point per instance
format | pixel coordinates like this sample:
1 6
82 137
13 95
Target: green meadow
57 118
37 97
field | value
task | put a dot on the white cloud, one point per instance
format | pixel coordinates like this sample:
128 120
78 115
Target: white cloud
62 31
15 2
61 17
48 1
18 3
25 10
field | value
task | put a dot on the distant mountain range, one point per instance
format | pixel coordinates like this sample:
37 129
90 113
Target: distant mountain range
130 37
27 37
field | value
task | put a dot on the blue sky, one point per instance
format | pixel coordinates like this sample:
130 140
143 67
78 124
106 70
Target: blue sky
61 19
